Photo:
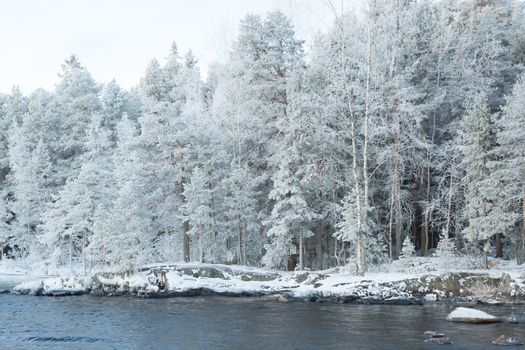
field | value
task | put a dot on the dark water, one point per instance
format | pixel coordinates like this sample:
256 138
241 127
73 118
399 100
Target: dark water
233 323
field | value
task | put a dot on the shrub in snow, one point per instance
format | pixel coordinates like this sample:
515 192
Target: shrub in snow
482 291
445 252
408 252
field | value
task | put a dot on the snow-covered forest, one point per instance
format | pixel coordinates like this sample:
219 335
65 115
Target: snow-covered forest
399 131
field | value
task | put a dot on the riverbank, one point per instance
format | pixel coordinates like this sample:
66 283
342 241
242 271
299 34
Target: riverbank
502 285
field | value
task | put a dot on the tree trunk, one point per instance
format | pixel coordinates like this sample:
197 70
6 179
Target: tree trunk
336 254
390 228
521 244
424 227
244 250
361 244
301 257
398 213
499 248
70 254
201 250
319 246
186 241
449 203
357 189
486 249
428 182
240 240
84 254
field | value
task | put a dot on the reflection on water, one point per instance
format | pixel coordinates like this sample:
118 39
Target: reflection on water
233 323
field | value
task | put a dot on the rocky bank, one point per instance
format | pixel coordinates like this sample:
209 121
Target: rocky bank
186 279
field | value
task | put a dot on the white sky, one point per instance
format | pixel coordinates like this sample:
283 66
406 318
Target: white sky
117 38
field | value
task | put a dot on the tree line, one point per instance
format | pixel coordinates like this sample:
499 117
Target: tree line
405 123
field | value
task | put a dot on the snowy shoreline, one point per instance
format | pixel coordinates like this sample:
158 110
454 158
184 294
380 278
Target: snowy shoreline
194 279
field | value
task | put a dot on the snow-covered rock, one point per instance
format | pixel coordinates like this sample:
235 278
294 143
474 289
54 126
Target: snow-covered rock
439 340
52 286
430 297
512 319
468 315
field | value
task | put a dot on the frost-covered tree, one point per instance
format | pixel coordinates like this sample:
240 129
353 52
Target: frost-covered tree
486 218
292 215
198 213
242 183
114 103
511 169
124 237
242 222
250 101
75 102
29 183
172 142
69 224
347 225
445 252
14 110
405 261
6 235
407 253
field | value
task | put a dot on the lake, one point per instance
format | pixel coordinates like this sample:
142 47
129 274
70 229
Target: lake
88 322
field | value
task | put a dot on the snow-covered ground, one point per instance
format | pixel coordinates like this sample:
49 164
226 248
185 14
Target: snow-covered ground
505 283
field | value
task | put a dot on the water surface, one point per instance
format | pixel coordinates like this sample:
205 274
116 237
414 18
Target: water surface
87 322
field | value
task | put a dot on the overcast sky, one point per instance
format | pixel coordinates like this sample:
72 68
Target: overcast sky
117 38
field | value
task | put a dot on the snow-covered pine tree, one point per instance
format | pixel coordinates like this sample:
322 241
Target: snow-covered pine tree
242 222
292 214
114 103
75 102
198 213
347 226
68 225
407 253
445 252
254 84
125 236
170 127
200 152
6 216
29 183
12 112
511 168
486 218
242 183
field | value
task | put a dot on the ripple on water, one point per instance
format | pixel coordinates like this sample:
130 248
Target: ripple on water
67 339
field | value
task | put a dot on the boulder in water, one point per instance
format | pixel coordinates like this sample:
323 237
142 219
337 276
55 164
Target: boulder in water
512 319
432 334
463 314
505 340
282 299
439 340
430 297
